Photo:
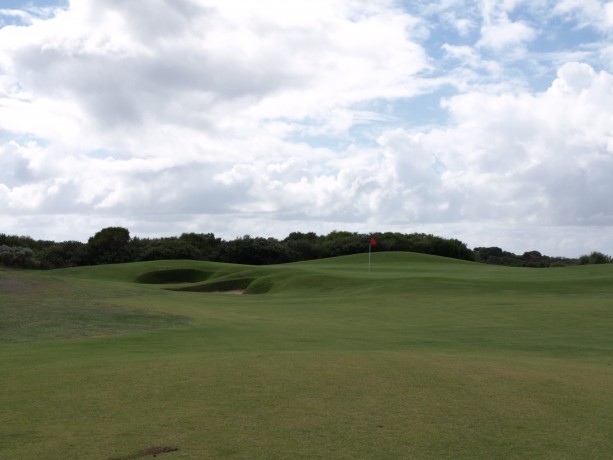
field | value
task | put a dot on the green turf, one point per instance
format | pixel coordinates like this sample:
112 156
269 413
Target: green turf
422 357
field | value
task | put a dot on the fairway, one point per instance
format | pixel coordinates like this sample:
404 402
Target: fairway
422 357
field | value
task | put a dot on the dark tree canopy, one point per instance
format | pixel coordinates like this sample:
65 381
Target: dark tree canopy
109 246
114 245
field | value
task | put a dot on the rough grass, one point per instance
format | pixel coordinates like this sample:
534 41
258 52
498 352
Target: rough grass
423 357
35 307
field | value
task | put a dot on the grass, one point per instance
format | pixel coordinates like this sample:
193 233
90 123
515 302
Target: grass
423 357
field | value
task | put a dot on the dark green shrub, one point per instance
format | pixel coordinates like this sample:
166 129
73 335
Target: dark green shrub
17 257
594 258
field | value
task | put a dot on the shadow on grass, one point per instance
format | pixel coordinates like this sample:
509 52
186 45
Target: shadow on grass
243 285
174 276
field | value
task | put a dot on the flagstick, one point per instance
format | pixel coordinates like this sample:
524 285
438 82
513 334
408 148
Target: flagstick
371 243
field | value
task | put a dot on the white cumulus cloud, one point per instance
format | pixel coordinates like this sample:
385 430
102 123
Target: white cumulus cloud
270 117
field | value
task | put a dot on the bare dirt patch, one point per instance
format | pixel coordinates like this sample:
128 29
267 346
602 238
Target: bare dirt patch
232 292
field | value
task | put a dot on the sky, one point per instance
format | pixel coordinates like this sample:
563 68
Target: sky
486 121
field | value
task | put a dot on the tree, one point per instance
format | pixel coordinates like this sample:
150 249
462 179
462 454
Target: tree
534 259
302 246
66 254
169 248
595 258
205 243
341 243
108 246
254 251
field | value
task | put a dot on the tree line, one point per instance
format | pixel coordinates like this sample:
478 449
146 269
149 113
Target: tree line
496 256
116 245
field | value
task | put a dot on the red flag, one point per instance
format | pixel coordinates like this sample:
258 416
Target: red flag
373 242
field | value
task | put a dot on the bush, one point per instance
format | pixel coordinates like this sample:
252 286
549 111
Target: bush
18 257
61 255
595 258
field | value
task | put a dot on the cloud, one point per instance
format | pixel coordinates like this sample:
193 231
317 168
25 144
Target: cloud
589 13
270 117
537 160
128 64
533 158
498 32
198 87
504 34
